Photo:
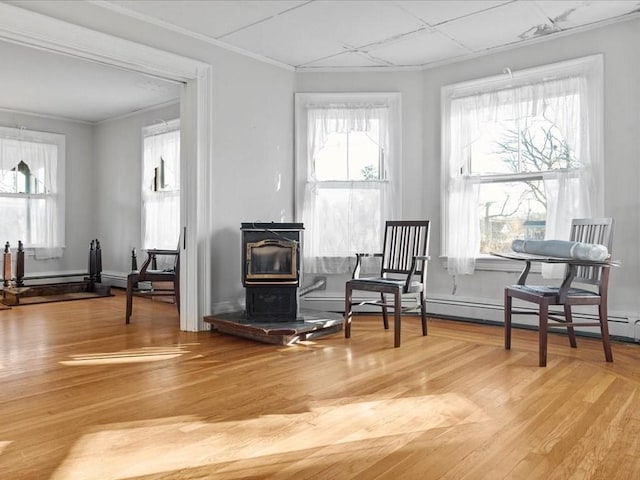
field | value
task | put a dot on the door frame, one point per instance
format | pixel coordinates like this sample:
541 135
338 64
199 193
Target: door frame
46 33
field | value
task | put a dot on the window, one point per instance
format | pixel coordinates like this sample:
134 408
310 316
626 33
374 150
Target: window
522 156
347 151
32 189
161 186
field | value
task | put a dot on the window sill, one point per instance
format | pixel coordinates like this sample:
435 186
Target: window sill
488 263
31 251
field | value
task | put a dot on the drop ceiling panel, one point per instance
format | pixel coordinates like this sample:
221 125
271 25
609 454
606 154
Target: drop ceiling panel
571 14
311 32
210 18
507 24
348 59
419 48
324 28
438 11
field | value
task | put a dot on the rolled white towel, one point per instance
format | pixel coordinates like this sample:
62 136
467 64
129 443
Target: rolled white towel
562 248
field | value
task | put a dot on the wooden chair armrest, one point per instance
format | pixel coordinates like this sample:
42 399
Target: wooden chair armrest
525 272
152 253
414 266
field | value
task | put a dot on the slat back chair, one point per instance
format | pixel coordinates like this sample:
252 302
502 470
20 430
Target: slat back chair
403 271
594 231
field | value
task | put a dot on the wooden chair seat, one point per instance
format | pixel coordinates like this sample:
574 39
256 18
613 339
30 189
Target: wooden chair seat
374 284
526 291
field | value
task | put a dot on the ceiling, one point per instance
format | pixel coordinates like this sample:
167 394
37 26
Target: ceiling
300 35
44 83
339 34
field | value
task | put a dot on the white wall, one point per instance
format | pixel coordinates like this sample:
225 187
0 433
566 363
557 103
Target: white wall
253 164
252 134
480 295
80 222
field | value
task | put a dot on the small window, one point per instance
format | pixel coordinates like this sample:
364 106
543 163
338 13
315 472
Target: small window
161 186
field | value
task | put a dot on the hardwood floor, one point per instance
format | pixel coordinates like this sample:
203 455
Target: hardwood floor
85 396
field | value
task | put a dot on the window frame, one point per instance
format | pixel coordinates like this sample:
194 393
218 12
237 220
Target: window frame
159 128
59 194
389 173
590 66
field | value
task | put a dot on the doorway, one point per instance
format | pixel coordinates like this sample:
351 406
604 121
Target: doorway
53 36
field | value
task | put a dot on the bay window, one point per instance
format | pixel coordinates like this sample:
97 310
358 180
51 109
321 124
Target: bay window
522 156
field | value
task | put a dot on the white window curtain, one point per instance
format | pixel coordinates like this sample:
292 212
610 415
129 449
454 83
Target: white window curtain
343 217
572 103
34 213
161 189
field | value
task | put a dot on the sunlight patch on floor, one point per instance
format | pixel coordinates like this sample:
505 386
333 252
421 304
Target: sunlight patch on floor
155 446
296 344
4 445
138 355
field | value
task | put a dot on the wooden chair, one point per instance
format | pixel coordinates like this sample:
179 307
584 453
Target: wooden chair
595 231
149 273
403 271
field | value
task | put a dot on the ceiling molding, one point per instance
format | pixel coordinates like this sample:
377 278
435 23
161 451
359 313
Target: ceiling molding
183 31
40 31
137 112
46 116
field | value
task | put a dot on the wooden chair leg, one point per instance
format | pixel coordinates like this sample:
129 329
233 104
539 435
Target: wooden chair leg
397 305
570 330
423 313
544 323
385 317
508 302
176 291
604 331
348 294
130 283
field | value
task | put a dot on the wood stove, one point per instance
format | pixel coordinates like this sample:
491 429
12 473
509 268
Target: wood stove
271 257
